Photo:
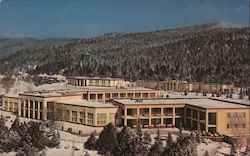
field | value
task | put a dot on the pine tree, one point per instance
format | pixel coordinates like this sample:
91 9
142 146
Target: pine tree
16 124
192 145
169 140
157 148
147 138
51 132
27 150
206 153
233 151
2 122
38 138
86 153
130 144
107 140
125 140
55 141
90 143
10 141
169 148
139 129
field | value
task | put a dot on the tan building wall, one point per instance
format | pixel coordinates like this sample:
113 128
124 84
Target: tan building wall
173 85
222 117
10 103
35 107
92 116
151 115
96 81
192 117
210 87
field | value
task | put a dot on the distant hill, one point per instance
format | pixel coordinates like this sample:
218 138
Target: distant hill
9 46
204 53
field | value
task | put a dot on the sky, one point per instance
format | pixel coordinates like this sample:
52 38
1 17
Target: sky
91 18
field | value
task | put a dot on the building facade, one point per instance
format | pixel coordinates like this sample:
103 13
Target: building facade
10 103
96 81
181 86
35 104
86 112
205 114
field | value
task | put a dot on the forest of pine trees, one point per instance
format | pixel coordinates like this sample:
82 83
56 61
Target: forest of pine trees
26 139
135 142
206 53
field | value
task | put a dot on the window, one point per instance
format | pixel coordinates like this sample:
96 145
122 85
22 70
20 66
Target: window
10 106
26 104
168 111
188 112
112 118
101 118
31 104
74 116
195 114
90 118
15 107
22 103
41 106
82 117
5 105
36 105
156 111
236 120
67 115
212 118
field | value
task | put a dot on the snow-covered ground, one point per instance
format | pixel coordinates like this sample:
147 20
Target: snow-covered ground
18 87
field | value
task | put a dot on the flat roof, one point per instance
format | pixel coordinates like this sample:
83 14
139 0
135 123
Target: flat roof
78 90
49 94
94 78
238 101
92 104
203 103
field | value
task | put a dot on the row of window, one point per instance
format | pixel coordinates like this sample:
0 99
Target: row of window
11 107
102 118
33 104
36 113
236 120
156 112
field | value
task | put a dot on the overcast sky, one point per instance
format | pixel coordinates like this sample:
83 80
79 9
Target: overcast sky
89 18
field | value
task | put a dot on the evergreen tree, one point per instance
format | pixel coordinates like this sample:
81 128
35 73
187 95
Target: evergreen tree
147 138
169 140
192 145
139 129
157 148
125 140
86 153
107 140
55 141
129 144
38 138
206 153
27 150
169 148
16 124
10 141
90 143
233 151
2 123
